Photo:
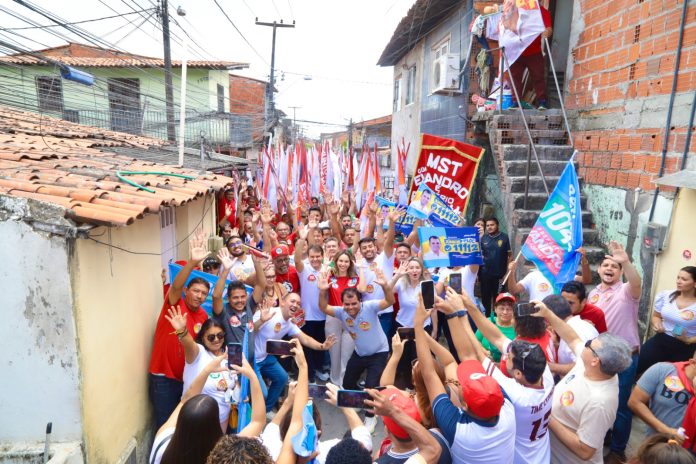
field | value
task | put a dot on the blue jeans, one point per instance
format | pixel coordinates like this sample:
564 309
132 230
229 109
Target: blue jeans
273 371
165 394
622 425
386 320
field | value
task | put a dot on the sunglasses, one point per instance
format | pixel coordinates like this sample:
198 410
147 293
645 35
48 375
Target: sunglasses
588 344
219 336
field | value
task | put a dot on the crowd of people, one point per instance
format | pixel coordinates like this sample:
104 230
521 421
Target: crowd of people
477 370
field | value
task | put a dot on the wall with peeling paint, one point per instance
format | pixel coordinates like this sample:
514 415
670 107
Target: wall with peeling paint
39 374
118 297
680 247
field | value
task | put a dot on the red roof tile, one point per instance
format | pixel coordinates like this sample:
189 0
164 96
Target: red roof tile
70 165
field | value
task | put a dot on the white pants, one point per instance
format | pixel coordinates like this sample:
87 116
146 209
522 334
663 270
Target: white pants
341 351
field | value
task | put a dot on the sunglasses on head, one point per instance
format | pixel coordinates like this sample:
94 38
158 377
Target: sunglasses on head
211 337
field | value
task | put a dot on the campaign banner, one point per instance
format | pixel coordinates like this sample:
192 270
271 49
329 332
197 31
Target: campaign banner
515 27
438 213
450 246
449 168
208 303
557 233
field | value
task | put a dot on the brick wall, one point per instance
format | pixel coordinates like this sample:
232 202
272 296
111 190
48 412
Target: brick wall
621 68
247 97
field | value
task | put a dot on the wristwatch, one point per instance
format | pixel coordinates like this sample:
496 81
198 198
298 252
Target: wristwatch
460 313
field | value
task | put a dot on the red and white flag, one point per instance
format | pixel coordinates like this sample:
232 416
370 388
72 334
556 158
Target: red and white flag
518 24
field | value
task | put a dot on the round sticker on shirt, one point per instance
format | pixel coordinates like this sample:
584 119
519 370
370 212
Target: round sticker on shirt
674 383
543 287
364 325
333 282
197 327
235 322
353 282
686 315
370 288
288 286
221 385
567 398
594 298
277 327
350 322
312 278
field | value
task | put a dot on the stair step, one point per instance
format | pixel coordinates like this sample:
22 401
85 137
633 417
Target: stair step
545 152
537 120
535 184
519 168
537 201
590 237
540 137
527 218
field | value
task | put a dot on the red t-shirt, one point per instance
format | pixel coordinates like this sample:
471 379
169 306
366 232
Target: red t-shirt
595 316
290 280
167 353
535 47
337 285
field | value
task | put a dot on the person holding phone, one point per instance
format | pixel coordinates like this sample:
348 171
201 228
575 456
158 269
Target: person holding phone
503 318
274 324
361 320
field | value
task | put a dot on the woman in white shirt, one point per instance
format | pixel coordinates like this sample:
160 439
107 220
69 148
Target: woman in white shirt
406 284
674 323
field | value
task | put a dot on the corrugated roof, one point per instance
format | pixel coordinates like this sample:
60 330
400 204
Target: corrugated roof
421 18
72 166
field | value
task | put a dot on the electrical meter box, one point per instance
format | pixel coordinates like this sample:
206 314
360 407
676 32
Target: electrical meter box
654 237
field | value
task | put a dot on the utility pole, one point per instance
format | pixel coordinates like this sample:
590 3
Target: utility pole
168 86
294 121
270 113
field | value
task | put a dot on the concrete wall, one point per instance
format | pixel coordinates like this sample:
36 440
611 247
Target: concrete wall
39 373
406 122
198 213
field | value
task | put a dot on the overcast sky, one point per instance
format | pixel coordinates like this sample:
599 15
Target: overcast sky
336 43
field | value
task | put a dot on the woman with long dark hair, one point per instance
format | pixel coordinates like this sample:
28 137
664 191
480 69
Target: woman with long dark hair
674 323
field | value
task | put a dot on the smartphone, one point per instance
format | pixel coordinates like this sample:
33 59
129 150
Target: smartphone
279 347
234 354
428 293
351 399
406 333
380 388
525 309
455 281
318 392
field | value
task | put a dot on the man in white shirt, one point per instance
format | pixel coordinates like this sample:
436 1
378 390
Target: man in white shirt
585 401
243 266
274 324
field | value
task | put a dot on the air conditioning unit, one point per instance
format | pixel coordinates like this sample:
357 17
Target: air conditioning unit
445 74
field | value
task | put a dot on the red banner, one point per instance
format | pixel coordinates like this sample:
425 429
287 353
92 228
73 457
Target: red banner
449 168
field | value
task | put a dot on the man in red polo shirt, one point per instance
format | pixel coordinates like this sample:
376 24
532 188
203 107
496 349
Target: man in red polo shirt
167 360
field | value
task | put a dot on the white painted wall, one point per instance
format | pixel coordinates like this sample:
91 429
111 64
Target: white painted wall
38 352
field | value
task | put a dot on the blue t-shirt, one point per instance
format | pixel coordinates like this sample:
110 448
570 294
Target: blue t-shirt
364 328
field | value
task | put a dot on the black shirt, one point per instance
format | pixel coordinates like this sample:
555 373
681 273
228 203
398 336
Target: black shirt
390 457
495 254
235 324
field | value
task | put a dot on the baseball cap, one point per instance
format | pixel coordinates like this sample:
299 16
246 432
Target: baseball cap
505 296
481 392
404 402
280 250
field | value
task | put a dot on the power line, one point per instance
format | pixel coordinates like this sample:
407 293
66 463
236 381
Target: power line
240 32
44 26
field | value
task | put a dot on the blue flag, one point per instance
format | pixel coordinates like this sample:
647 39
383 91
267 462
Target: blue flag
243 409
208 303
450 246
557 233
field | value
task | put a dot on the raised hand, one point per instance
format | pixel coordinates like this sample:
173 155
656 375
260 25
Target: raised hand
380 279
245 369
617 253
303 231
334 207
266 313
198 246
298 354
395 214
380 404
397 345
225 259
373 208
401 270
175 318
512 266
323 281
228 210
217 364
329 342
421 314
331 394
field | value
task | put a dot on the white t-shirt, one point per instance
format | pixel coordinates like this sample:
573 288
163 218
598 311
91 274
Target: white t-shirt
586 406
585 331
532 413
408 302
374 291
270 438
164 438
274 329
241 269
309 293
215 385
468 278
536 285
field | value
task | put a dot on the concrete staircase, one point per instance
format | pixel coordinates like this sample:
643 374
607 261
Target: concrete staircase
510 145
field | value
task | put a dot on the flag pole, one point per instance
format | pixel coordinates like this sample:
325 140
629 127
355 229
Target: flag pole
502 284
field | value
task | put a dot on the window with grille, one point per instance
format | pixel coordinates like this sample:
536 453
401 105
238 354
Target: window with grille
220 98
411 85
50 92
397 94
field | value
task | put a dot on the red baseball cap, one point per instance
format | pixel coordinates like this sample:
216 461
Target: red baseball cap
505 296
280 250
404 402
481 392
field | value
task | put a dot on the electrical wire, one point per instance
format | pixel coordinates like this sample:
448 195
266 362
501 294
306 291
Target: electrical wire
240 33
44 26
